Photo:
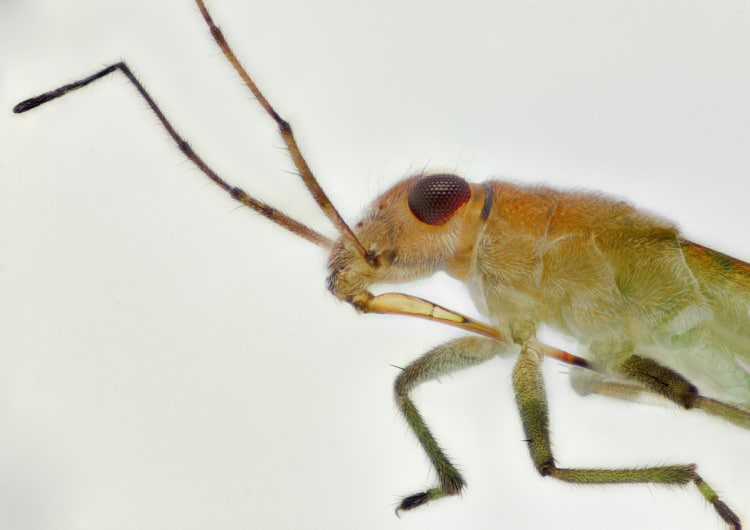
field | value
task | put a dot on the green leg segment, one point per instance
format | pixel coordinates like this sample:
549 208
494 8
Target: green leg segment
532 404
442 360
631 391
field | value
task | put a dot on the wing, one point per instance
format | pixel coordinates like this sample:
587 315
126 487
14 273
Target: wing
715 347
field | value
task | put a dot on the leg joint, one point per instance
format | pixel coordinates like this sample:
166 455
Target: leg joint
401 386
546 468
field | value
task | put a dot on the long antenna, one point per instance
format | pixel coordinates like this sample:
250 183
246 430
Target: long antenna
286 134
266 210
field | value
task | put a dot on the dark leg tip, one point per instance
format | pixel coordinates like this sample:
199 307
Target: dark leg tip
728 515
412 501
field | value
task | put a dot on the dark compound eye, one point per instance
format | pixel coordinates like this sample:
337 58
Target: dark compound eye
434 199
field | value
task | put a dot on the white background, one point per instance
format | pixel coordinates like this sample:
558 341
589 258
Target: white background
169 361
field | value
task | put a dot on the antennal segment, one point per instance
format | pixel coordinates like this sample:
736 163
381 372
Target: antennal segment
288 136
266 210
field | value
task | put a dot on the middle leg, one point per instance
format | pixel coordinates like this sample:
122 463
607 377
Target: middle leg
532 405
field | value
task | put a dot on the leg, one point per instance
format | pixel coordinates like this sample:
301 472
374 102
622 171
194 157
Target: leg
532 405
646 376
586 383
444 359
659 379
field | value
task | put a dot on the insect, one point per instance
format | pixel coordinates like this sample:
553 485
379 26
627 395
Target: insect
481 208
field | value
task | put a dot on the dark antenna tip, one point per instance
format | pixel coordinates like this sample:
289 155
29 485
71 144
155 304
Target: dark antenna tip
32 103
29 104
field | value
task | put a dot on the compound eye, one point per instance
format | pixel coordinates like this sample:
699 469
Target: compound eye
434 199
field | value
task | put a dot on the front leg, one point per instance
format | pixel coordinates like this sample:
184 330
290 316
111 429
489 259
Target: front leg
444 359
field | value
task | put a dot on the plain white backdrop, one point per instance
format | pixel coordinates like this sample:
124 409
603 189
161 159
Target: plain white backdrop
171 361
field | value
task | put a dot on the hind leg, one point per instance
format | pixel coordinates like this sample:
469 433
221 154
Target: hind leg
642 379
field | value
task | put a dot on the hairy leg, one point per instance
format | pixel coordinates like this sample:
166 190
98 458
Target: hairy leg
532 404
444 359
